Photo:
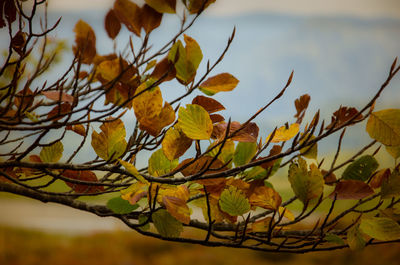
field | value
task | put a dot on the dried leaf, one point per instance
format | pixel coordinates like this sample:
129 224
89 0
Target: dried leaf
266 198
84 176
129 14
195 6
379 177
58 95
351 190
85 42
342 115
163 6
151 19
112 24
175 143
164 70
301 105
209 104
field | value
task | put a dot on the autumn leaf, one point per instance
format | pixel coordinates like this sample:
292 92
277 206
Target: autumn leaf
394 151
166 224
195 122
248 133
262 225
110 143
59 112
343 115
384 126
215 212
310 151
58 96
112 24
84 176
361 169
164 71
52 153
121 206
129 14
150 112
151 19
284 134
175 200
79 129
216 118
135 192
195 6
219 83
351 190
380 228
379 177
226 154
186 59
198 164
132 169
391 186
209 104
85 42
233 202
175 143
160 165
355 239
266 198
301 105
162 6
307 185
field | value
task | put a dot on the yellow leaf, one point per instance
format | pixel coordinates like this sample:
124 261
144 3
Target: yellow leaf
286 213
175 143
266 198
52 153
110 143
132 169
195 122
284 134
135 192
221 82
162 6
384 126
194 6
174 199
262 226
85 42
394 151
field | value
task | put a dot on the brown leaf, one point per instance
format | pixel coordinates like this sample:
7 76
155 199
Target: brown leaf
195 6
18 42
342 115
351 190
79 129
275 150
175 143
200 164
266 198
85 42
164 69
57 95
112 24
129 14
151 19
84 176
10 12
216 118
329 179
248 134
209 104
24 99
379 177
301 105
59 111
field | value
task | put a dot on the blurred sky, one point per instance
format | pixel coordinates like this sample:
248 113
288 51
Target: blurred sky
363 8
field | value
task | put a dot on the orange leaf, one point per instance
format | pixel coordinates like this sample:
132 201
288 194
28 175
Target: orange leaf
162 6
266 198
209 104
85 42
379 177
219 83
301 105
59 112
215 118
112 24
351 190
164 70
342 115
262 226
247 134
129 14
79 129
85 176
200 164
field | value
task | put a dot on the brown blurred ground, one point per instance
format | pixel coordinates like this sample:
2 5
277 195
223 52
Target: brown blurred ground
28 247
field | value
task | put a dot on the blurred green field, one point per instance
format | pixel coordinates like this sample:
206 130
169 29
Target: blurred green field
27 247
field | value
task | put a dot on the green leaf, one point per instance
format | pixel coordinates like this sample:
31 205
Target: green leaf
219 83
165 224
110 143
132 169
233 202
361 169
380 228
355 239
160 165
52 153
244 153
307 185
384 126
195 122
143 219
121 206
334 239
226 153
309 151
